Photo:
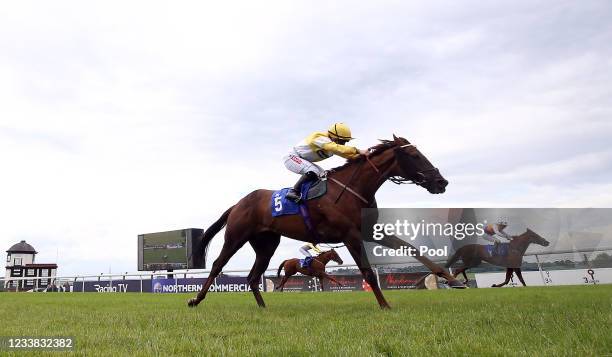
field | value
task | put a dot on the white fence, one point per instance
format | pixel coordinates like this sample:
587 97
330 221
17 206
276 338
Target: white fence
541 263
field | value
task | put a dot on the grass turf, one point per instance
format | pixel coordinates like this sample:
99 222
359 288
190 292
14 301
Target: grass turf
574 320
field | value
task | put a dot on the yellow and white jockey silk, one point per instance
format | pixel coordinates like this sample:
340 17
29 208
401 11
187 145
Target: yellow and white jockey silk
318 146
494 234
313 247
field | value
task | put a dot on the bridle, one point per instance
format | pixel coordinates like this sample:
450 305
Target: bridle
398 180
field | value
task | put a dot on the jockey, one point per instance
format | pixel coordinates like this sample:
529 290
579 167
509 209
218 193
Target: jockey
495 233
308 257
309 246
316 147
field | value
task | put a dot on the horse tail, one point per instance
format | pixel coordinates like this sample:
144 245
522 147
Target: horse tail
214 229
280 268
453 259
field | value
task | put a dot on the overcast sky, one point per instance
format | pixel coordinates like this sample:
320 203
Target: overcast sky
120 118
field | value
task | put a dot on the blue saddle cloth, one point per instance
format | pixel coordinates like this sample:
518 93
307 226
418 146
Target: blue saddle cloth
282 206
502 249
305 263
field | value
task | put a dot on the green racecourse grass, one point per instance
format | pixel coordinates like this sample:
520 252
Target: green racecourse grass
574 320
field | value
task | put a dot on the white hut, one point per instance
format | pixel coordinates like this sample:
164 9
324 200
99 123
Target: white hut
20 263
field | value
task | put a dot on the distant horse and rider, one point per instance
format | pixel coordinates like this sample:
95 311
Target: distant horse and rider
473 255
336 214
315 269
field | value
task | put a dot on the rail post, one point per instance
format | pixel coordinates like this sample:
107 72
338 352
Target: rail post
540 269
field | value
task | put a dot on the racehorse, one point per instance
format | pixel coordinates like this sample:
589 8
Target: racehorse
336 215
473 254
316 268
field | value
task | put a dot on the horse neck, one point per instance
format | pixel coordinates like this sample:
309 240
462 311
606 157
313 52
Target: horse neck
521 243
367 180
324 258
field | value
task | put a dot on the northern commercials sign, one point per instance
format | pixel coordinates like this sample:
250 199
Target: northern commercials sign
188 285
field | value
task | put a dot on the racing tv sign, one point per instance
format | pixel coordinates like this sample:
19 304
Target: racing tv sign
191 285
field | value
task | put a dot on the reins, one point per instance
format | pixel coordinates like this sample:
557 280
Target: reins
346 188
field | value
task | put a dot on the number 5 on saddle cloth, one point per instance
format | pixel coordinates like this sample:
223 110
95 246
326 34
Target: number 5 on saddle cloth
281 206
498 250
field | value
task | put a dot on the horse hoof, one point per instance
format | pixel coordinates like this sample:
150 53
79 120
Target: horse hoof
192 303
456 284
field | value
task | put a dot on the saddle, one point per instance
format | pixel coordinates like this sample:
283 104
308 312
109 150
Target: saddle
316 189
306 262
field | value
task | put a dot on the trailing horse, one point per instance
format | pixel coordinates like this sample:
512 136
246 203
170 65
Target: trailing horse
336 215
472 256
316 268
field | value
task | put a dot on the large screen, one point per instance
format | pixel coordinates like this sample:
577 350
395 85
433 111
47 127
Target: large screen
180 249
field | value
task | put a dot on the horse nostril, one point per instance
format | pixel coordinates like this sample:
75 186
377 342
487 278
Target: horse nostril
442 182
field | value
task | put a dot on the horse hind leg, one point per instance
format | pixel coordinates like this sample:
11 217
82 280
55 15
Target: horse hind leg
508 277
264 246
290 270
519 274
462 272
281 286
230 247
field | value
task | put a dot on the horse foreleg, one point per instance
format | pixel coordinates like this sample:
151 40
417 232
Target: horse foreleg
357 250
264 246
395 242
519 274
466 281
508 277
321 283
330 278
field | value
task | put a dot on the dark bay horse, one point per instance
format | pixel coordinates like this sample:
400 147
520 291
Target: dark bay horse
473 254
336 215
316 268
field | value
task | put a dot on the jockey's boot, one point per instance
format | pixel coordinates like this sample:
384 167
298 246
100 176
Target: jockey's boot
294 193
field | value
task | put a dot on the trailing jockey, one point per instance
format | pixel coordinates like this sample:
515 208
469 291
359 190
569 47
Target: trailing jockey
495 233
308 257
316 147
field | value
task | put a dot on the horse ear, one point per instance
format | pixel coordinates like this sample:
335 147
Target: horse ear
395 138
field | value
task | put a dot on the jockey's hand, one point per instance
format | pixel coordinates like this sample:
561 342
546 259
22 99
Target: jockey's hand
363 152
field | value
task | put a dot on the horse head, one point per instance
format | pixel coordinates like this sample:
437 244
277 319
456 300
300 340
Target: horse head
533 237
411 166
335 257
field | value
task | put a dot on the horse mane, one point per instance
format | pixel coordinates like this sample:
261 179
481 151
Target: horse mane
374 150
